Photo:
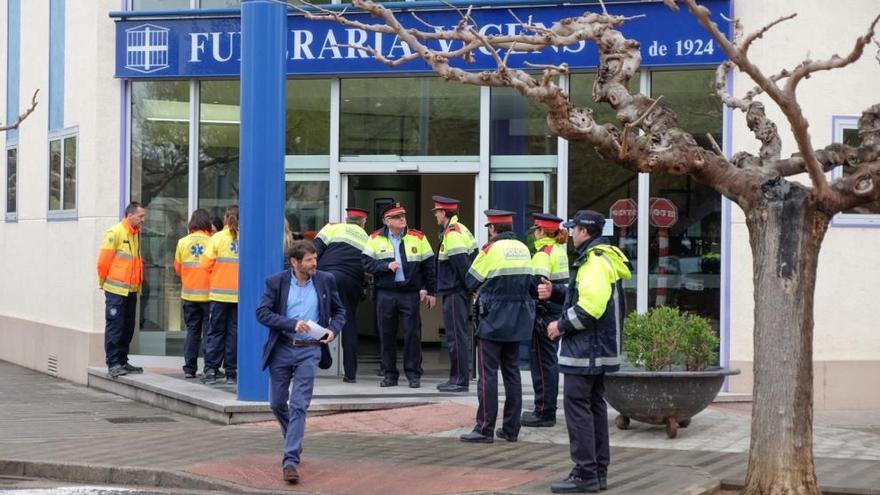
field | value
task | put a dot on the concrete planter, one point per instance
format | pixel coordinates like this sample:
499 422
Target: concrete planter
668 398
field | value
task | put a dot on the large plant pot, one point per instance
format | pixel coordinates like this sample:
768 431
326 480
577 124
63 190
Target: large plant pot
668 398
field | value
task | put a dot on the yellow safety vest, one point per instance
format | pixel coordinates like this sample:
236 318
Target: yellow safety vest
221 260
120 268
194 278
551 260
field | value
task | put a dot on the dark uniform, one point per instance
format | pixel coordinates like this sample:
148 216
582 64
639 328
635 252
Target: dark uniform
457 250
590 329
340 247
550 262
503 273
398 294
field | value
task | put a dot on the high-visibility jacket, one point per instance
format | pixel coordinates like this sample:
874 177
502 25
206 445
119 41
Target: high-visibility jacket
456 253
195 279
120 268
416 258
550 261
221 261
339 247
503 272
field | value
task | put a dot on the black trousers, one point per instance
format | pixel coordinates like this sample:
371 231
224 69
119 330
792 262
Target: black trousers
456 307
545 370
350 290
586 415
492 356
119 314
195 317
393 308
221 342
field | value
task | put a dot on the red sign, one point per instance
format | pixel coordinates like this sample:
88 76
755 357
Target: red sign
663 213
624 212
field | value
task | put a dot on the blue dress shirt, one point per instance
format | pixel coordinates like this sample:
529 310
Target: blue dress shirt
395 241
302 303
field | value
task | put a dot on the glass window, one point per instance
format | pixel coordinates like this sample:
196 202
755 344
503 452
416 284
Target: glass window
523 194
219 114
220 4
62 171
685 253
411 117
11 182
519 129
159 180
308 117
306 206
848 133
597 184
159 4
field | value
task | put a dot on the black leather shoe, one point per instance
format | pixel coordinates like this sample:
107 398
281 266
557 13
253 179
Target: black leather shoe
346 379
232 379
415 383
529 418
476 437
291 475
210 377
189 374
116 371
575 484
504 436
132 368
388 382
603 481
450 387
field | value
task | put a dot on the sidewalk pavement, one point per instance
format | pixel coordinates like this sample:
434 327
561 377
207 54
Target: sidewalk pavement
54 429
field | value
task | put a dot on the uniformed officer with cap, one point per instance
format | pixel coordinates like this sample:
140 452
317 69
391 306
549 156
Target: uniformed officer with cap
457 250
589 332
402 264
504 275
339 247
550 263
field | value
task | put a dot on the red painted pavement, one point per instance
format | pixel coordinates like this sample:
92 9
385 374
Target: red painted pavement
366 477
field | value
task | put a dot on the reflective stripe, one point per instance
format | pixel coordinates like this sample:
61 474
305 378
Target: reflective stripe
476 274
191 264
122 255
379 256
350 242
231 261
585 362
614 295
459 250
225 291
562 276
541 271
197 292
573 318
114 283
418 256
516 270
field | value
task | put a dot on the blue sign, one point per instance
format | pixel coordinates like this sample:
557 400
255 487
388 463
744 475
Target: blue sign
211 47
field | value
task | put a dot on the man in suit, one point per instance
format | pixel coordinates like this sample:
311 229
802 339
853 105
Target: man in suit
293 299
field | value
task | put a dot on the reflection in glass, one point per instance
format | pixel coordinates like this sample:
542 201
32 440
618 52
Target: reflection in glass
420 116
218 145
523 194
11 181
159 168
70 173
159 4
219 4
306 206
851 137
519 125
596 184
55 175
308 117
685 257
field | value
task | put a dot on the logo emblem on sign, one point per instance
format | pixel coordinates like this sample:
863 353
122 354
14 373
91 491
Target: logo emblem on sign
146 48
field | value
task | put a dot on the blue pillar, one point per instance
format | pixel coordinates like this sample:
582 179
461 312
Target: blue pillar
263 64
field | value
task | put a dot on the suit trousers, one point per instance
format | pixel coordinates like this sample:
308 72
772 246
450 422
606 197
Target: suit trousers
456 307
195 317
393 308
350 290
492 356
586 415
221 342
544 368
119 314
297 364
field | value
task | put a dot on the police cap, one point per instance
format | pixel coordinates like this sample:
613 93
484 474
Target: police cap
547 221
391 209
444 203
356 212
590 219
498 216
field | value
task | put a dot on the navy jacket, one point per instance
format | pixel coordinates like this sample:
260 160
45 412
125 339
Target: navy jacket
272 311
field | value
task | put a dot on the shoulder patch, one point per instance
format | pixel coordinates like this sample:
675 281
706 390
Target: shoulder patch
547 249
416 233
375 234
487 247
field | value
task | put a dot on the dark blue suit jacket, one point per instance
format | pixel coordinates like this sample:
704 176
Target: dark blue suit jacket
272 310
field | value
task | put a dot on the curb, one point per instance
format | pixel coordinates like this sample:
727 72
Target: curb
825 489
129 476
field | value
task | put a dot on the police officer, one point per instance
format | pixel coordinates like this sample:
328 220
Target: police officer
589 331
457 250
550 263
339 247
402 264
504 275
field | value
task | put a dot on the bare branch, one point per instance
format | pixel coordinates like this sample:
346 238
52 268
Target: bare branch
748 40
24 115
715 146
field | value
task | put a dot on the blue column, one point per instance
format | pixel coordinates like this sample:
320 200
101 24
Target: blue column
263 102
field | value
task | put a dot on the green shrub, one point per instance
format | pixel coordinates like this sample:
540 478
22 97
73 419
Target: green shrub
665 337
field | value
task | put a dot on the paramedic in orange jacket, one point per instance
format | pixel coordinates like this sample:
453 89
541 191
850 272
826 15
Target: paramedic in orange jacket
194 285
221 261
120 273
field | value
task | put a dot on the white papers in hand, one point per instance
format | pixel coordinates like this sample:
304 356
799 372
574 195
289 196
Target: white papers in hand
316 331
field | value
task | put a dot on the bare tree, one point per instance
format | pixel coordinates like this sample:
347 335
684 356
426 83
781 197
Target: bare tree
786 220
24 115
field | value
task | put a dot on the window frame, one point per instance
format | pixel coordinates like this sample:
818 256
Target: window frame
839 124
62 135
7 215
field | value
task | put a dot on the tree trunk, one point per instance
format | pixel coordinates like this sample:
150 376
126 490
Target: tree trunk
786 230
